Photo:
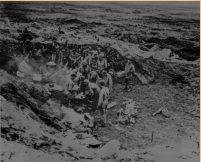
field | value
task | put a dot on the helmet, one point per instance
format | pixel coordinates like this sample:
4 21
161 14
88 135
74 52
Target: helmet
102 82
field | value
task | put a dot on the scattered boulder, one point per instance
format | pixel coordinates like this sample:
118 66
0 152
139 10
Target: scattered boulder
35 25
128 113
109 149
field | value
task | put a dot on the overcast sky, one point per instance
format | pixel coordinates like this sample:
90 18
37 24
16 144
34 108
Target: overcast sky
169 3
155 3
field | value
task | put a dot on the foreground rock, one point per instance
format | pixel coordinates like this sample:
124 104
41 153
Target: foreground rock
28 121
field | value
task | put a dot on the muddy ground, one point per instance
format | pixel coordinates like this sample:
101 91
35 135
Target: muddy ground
95 26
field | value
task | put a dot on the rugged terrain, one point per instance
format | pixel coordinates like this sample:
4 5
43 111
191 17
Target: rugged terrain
31 126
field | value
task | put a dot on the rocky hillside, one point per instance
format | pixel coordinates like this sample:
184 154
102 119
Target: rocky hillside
162 43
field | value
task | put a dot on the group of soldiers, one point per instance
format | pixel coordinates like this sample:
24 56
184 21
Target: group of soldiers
93 78
88 75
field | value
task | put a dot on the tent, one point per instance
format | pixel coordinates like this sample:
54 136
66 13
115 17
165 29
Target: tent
146 54
163 54
154 48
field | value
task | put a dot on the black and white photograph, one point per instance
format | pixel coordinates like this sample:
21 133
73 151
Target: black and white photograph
100 81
